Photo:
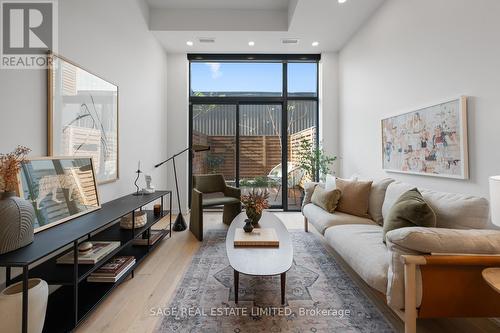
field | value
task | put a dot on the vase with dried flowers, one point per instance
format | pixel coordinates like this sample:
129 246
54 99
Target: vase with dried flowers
16 215
254 203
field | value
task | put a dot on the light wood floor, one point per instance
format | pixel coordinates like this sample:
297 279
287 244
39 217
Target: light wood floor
127 309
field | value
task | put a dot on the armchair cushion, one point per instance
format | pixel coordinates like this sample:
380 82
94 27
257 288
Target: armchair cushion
209 202
441 240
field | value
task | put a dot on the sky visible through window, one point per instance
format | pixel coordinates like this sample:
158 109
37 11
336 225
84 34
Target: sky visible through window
252 77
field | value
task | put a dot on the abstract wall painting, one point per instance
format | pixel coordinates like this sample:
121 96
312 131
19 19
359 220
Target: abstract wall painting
430 141
60 189
83 117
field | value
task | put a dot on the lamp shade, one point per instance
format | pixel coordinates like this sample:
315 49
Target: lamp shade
495 199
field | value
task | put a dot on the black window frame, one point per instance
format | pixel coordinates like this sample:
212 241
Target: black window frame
284 59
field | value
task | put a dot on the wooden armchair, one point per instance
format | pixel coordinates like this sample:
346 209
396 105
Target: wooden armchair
230 199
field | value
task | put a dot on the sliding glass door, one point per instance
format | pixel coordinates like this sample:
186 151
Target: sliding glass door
260 149
214 125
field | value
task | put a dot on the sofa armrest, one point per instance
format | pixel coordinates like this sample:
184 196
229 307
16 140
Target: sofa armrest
442 240
232 192
308 192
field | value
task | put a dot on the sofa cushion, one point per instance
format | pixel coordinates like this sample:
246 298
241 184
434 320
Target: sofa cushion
308 192
322 220
355 197
327 200
458 211
454 211
330 182
442 240
362 249
376 200
410 210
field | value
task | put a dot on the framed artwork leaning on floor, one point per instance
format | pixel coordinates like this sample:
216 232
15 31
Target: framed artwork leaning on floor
429 141
83 116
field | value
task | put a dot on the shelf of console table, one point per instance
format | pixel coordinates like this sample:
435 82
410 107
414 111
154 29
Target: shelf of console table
76 298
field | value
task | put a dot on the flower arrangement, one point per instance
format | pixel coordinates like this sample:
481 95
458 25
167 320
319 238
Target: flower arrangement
255 202
9 167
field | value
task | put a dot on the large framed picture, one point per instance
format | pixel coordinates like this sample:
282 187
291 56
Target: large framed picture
60 189
429 141
83 116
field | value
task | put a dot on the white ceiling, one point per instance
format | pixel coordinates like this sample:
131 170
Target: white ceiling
219 4
233 23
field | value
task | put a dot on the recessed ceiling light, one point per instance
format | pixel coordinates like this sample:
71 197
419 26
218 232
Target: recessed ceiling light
315 44
251 43
189 43
342 1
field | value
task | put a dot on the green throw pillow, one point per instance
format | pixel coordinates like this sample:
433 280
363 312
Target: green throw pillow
327 200
410 210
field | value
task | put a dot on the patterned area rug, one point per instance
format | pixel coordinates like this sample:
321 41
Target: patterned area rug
320 296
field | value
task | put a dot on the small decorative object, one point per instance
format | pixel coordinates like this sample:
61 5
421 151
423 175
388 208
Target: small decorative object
248 227
16 215
255 202
85 247
83 116
59 188
11 306
430 141
157 210
149 187
138 172
141 219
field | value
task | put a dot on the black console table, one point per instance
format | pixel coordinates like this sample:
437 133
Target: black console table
75 299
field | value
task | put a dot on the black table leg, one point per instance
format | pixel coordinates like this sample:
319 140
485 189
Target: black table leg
283 283
236 285
25 300
7 276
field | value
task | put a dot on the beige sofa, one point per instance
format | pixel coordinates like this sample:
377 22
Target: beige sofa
461 233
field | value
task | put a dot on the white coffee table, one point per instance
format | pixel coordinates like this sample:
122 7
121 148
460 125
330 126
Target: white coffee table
260 261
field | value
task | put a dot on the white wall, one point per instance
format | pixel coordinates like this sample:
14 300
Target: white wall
414 53
178 125
329 105
119 48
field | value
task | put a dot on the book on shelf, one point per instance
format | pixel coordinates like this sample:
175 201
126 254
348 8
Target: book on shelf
153 238
113 270
98 252
258 237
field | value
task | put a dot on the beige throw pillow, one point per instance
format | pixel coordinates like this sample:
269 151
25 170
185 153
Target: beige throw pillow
355 197
327 200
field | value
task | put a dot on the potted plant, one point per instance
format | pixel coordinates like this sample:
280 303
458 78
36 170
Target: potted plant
254 203
17 215
314 162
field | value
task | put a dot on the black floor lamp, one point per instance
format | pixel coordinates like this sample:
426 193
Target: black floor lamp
180 224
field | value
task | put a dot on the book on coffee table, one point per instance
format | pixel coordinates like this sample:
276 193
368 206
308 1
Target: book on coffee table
98 252
258 237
